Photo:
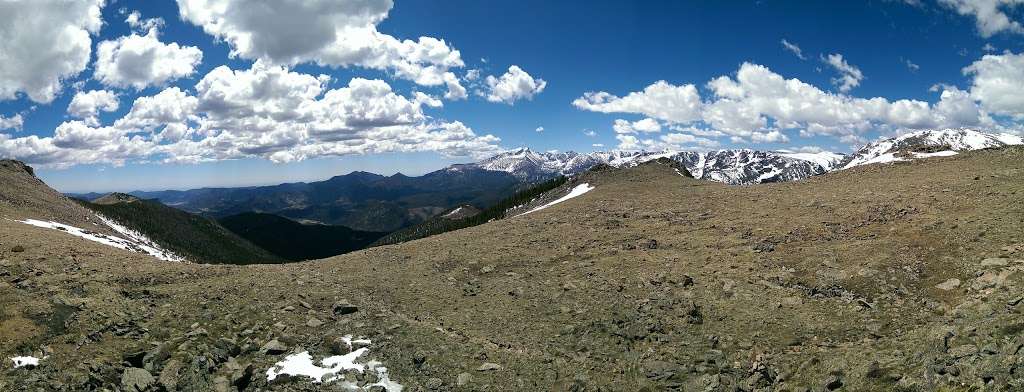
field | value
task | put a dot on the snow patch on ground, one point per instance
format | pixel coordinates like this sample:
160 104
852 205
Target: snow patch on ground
136 242
455 211
334 367
934 154
883 158
577 191
25 361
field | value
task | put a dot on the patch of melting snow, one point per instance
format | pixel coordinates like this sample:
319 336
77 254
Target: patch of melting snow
455 211
136 242
25 361
334 367
577 191
947 153
680 173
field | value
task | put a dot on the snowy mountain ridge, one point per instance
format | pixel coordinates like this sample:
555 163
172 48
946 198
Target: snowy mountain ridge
746 166
923 144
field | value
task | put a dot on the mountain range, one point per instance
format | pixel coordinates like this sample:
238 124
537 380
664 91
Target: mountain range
744 166
374 203
358 200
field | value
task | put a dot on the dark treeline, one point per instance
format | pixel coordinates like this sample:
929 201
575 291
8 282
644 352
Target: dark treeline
439 224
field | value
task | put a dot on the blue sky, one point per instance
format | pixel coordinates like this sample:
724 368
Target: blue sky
907 65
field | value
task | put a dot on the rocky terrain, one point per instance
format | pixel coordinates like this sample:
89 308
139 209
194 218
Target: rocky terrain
904 276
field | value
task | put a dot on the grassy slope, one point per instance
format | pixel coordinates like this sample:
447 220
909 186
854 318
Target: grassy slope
296 241
575 294
195 237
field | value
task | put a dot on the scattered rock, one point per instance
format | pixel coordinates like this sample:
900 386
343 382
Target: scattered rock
833 382
343 307
274 347
136 380
950 284
995 262
314 322
463 379
488 366
686 281
693 314
18 249
651 244
169 375
990 279
764 247
434 383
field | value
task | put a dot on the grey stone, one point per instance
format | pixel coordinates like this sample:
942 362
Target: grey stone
434 383
314 322
274 347
463 379
995 262
169 375
488 366
342 308
136 379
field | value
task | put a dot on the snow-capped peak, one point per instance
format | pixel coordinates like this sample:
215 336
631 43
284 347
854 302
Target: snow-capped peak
940 142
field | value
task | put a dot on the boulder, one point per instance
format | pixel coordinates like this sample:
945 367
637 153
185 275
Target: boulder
488 366
274 347
136 380
342 308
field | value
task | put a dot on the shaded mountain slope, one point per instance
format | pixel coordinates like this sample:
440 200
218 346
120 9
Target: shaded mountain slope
360 200
194 237
297 241
469 216
881 277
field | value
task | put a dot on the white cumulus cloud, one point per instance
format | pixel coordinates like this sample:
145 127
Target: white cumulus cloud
514 85
336 33
136 21
88 105
44 42
265 111
140 61
756 105
646 125
998 82
661 100
14 122
990 16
